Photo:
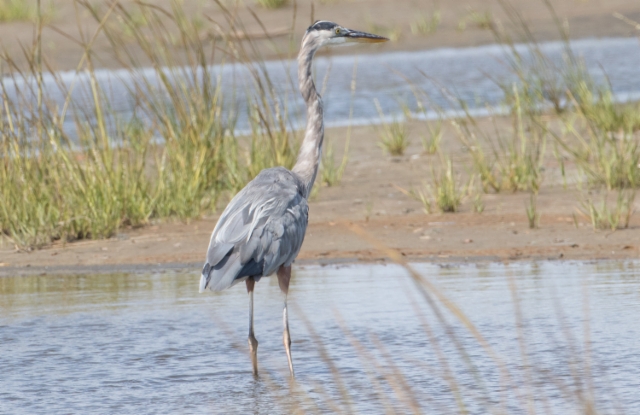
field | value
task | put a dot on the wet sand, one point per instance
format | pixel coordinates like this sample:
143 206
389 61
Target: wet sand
369 195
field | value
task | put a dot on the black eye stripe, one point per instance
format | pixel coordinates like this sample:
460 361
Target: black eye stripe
323 25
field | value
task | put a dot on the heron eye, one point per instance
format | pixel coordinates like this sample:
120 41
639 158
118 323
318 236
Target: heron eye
337 31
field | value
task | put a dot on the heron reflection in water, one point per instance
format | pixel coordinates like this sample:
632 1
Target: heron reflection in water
261 230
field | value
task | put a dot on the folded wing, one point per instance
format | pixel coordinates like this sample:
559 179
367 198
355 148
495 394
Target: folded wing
261 229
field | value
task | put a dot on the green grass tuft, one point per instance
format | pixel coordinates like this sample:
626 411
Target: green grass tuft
431 141
16 10
481 20
426 25
25 10
514 160
444 192
531 208
603 144
272 4
394 138
605 217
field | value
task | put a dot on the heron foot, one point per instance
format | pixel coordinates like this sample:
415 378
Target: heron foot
253 349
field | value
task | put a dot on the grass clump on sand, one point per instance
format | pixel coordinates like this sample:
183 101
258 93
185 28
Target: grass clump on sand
481 20
431 141
531 209
514 160
24 10
331 173
602 139
272 4
603 216
80 170
394 138
444 192
554 98
16 10
447 193
426 25
107 172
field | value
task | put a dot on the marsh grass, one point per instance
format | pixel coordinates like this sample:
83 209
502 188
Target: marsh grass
514 160
480 20
603 143
447 192
543 82
331 173
272 4
431 140
604 216
531 209
426 25
274 140
478 203
444 192
112 173
174 159
598 135
597 106
25 10
394 137
15 10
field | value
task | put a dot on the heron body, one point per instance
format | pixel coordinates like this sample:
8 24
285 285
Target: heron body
262 229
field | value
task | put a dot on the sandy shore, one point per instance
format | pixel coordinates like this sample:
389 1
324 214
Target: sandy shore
369 196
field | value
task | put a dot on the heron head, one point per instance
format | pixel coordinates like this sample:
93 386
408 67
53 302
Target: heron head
330 33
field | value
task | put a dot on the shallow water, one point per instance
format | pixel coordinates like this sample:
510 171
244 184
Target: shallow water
151 344
394 79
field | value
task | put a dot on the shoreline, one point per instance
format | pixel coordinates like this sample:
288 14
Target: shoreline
371 196
116 255
441 260
373 190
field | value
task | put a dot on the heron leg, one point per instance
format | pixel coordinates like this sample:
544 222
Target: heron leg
253 343
284 276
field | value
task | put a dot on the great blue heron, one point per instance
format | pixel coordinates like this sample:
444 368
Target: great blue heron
262 229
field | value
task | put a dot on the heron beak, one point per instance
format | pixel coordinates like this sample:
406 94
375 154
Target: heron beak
363 37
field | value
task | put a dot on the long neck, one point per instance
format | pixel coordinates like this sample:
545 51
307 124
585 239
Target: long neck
310 151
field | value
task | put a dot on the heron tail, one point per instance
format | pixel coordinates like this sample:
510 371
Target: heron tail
205 277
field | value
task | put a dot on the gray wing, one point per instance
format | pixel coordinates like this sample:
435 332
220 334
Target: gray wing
261 229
